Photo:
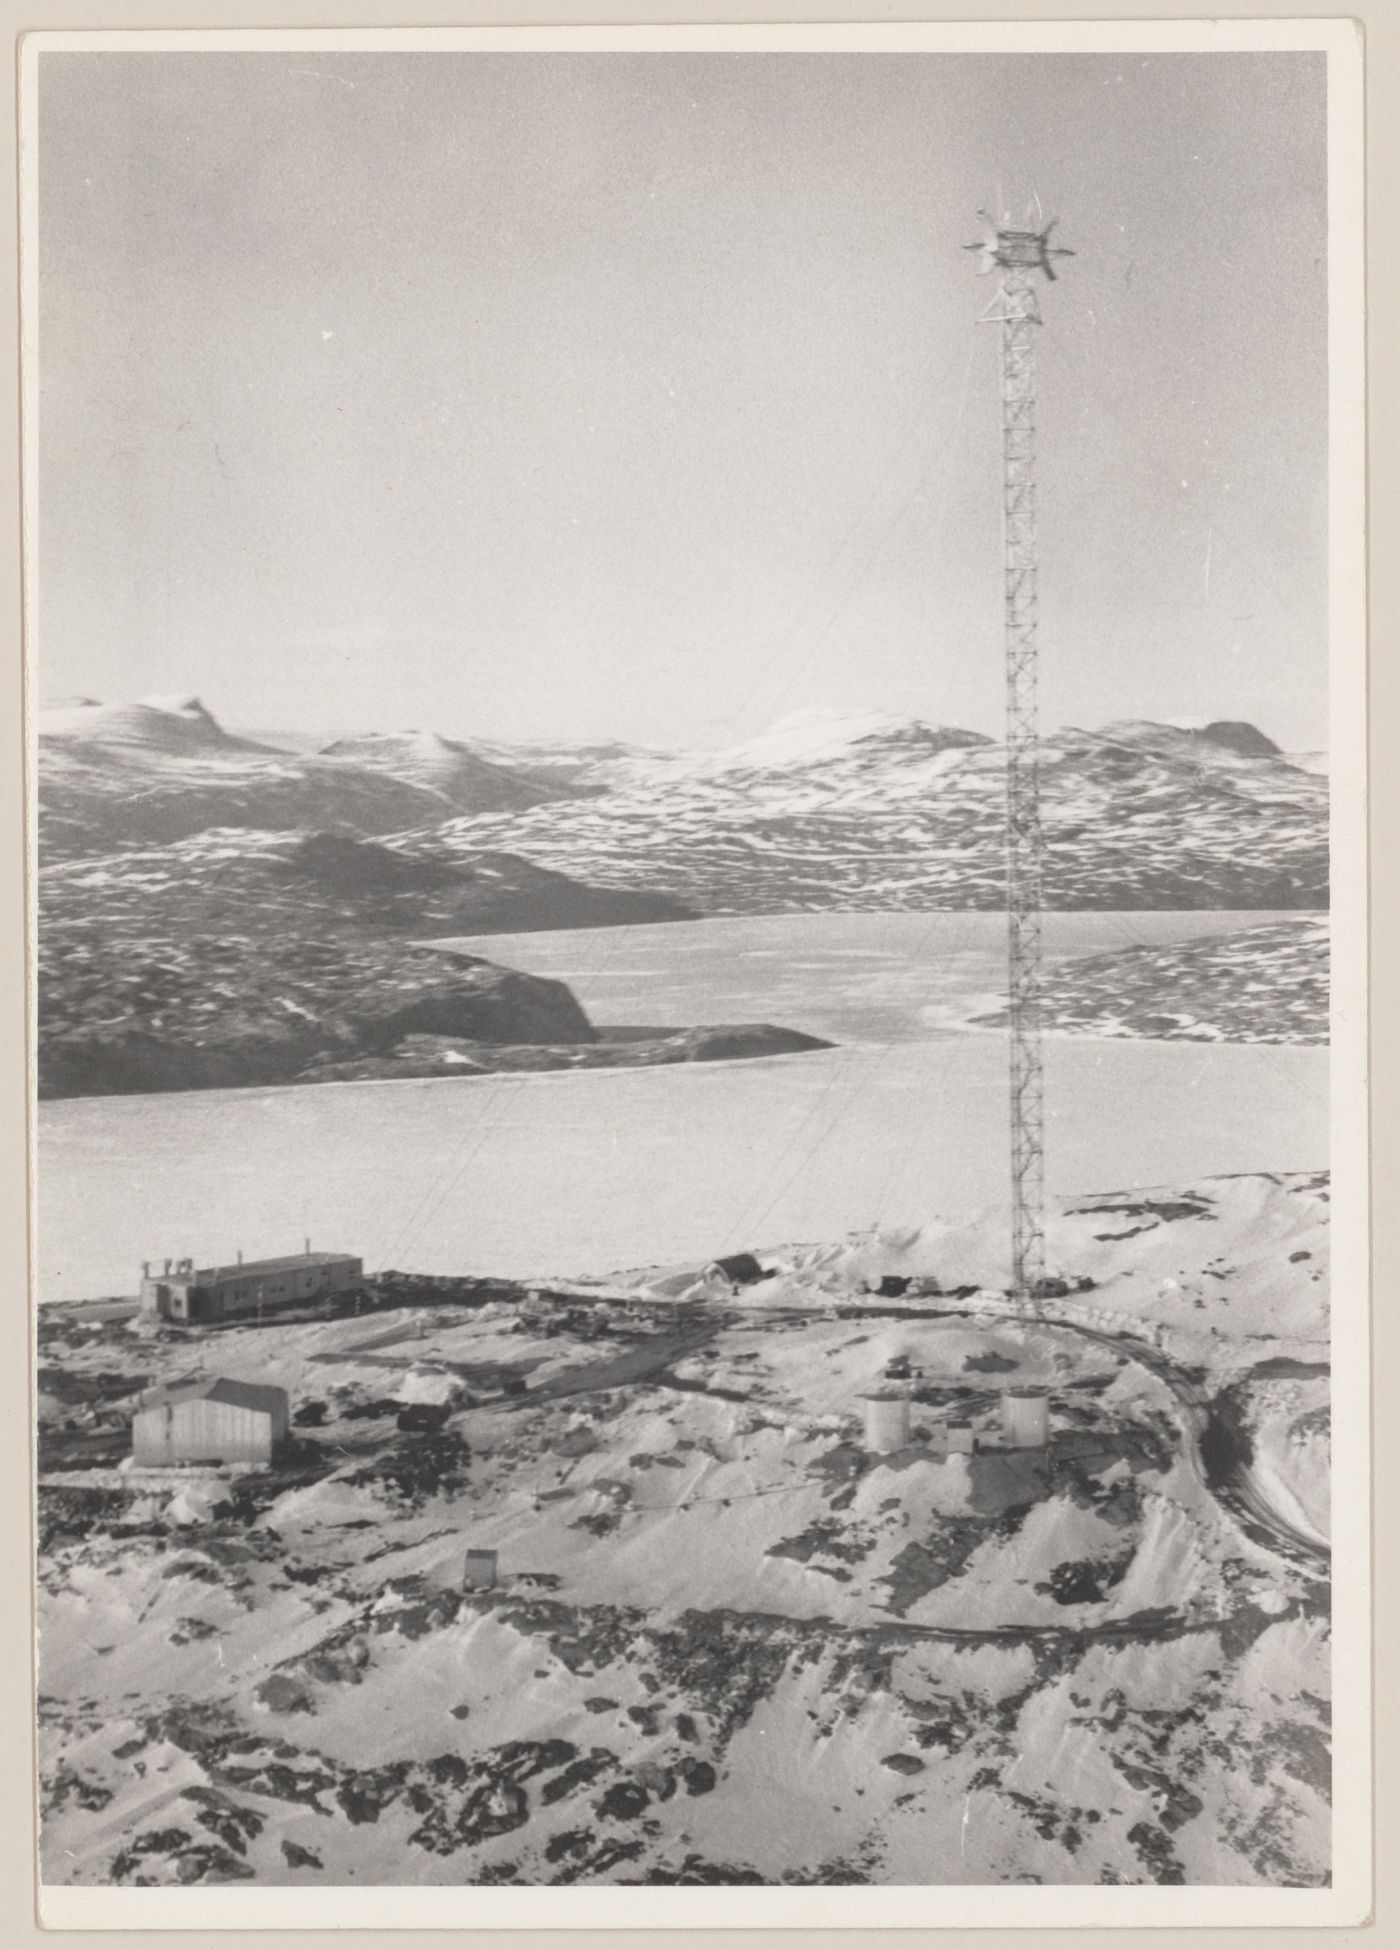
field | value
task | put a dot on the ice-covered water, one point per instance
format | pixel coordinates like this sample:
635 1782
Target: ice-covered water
590 1171
852 977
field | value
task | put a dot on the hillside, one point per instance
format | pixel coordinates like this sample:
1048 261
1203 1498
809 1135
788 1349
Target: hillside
1246 1255
141 774
1263 984
456 772
209 1013
267 884
727 1643
884 813
233 1011
153 729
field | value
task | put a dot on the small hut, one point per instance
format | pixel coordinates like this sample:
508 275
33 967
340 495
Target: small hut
886 1420
738 1269
1025 1417
218 1420
479 1571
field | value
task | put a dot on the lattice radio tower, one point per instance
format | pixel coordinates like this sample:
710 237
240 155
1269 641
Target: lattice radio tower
1018 255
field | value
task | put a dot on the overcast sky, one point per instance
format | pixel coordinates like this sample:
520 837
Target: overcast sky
640 396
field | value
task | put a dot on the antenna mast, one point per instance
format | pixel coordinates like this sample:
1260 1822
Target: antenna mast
1018 255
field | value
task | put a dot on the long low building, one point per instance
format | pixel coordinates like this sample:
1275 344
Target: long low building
209 1421
182 1291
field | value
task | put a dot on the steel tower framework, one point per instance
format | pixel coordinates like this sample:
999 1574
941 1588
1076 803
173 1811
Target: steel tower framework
1018 255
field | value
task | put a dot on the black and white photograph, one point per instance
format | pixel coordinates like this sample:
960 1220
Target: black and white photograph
692 741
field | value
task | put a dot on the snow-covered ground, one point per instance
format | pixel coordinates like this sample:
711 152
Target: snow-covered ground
726 1642
568 1174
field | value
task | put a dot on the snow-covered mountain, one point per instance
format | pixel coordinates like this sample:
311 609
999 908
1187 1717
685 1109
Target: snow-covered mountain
571 768
824 810
884 812
454 771
153 731
161 769
854 743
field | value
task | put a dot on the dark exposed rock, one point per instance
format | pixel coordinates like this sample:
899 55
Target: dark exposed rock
571 1840
425 1055
297 1856
926 1564
577 1774
191 1861
1154 1850
699 1776
623 1800
281 1692
65 1786
990 1362
228 1820
1086 1580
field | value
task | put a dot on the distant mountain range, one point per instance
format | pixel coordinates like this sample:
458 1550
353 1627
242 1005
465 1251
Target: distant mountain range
881 813
823 811
139 774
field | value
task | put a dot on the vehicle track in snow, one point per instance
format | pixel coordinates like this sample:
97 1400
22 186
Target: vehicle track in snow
1217 1448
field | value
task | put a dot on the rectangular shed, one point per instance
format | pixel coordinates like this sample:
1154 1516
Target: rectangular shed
209 1421
479 1571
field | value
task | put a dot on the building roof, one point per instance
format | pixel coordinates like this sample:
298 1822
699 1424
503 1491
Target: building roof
293 1262
239 1394
742 1266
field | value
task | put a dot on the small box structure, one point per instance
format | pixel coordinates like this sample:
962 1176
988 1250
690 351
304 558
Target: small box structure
961 1438
577 1441
1025 1417
886 1420
738 1269
479 1572
200 1295
209 1421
